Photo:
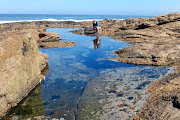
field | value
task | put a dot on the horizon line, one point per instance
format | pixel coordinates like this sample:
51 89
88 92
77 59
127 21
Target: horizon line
70 14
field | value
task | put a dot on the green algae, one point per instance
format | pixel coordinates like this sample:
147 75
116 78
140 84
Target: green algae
89 111
32 107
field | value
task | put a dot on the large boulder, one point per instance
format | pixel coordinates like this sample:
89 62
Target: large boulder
19 62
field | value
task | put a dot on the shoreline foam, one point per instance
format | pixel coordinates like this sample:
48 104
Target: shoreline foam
54 20
50 19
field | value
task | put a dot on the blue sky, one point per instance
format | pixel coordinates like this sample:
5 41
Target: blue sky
90 7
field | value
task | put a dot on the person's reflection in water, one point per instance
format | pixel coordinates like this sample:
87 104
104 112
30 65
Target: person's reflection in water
97 43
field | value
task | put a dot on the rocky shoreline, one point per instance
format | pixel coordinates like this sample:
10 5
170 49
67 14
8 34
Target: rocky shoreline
155 41
163 102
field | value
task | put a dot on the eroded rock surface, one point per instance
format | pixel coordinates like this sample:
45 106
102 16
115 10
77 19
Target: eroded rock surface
48 37
155 41
21 64
58 44
163 102
150 54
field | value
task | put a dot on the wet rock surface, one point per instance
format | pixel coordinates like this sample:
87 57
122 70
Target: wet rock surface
116 94
31 107
163 102
161 106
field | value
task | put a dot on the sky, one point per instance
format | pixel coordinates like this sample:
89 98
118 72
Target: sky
90 7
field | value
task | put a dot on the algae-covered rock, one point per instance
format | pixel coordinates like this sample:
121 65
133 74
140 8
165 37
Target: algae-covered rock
32 107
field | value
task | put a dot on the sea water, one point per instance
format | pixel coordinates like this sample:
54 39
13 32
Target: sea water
81 80
9 18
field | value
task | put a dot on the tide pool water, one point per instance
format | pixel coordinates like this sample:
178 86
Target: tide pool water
82 83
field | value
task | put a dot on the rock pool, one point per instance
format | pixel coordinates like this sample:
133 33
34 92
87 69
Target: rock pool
83 84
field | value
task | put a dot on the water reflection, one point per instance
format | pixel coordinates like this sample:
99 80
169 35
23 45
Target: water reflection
97 43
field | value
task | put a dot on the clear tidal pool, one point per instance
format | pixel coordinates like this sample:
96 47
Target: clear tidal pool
83 84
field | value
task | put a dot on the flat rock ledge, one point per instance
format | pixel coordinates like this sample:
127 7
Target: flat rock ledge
59 44
150 54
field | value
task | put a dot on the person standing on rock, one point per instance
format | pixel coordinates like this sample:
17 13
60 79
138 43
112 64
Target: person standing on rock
96 25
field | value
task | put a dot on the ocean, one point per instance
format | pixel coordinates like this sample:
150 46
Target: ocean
9 18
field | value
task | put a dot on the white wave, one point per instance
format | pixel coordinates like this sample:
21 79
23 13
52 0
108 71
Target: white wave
50 19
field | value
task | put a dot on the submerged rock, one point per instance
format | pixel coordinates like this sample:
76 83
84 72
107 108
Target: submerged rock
30 108
105 97
163 101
